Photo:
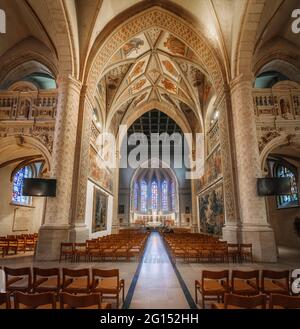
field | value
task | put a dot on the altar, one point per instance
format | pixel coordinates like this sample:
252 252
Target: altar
154 220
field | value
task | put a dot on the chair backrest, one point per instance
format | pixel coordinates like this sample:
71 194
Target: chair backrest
34 300
216 275
17 271
245 301
245 275
74 301
66 245
98 273
46 272
275 275
284 301
245 246
76 273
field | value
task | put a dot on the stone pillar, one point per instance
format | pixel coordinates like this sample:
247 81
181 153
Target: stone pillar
255 228
79 231
58 210
115 220
232 227
194 210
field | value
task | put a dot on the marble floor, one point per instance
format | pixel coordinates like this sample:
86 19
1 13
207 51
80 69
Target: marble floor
156 282
157 285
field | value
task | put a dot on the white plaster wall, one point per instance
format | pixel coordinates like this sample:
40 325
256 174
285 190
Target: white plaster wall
89 211
7 210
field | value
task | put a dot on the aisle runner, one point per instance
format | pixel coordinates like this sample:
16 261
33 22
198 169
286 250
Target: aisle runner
157 283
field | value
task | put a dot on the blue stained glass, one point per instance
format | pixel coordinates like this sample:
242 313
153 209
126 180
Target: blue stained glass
173 196
143 196
154 195
136 195
17 195
284 201
164 196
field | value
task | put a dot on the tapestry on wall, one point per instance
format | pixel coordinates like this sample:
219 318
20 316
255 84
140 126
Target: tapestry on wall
98 172
211 210
100 211
212 169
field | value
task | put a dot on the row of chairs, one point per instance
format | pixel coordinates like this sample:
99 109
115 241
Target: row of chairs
112 248
107 283
215 284
276 301
207 250
49 300
12 244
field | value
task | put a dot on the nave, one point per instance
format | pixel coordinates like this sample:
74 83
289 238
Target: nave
155 280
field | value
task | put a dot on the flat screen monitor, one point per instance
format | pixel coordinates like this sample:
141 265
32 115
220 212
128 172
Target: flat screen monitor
274 186
39 187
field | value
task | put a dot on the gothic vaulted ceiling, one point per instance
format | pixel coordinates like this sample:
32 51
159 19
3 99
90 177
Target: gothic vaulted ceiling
154 65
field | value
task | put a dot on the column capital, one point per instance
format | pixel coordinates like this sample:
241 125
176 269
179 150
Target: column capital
241 79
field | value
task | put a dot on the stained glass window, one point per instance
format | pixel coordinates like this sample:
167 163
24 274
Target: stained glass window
173 196
154 195
17 194
143 196
136 195
164 196
289 200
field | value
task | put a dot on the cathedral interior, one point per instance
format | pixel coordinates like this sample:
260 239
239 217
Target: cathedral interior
220 76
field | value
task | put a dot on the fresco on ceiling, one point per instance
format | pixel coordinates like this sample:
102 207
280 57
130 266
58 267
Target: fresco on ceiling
139 99
137 70
169 67
174 45
138 85
169 99
212 168
97 171
169 85
211 210
133 45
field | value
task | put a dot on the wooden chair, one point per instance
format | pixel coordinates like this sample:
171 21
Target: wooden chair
4 300
67 251
12 246
91 301
29 243
108 284
232 301
284 301
21 244
245 282
46 280
18 279
76 281
246 252
80 250
275 282
233 250
213 284
3 246
44 300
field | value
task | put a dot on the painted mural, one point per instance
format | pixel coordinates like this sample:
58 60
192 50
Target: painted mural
212 168
211 210
133 45
101 175
174 45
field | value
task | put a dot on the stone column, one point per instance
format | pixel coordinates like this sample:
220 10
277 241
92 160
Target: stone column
115 220
194 210
232 227
58 211
255 227
79 231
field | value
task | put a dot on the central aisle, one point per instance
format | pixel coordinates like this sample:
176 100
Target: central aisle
157 285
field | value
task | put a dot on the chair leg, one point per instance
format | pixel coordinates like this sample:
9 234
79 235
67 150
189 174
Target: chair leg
203 302
196 294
